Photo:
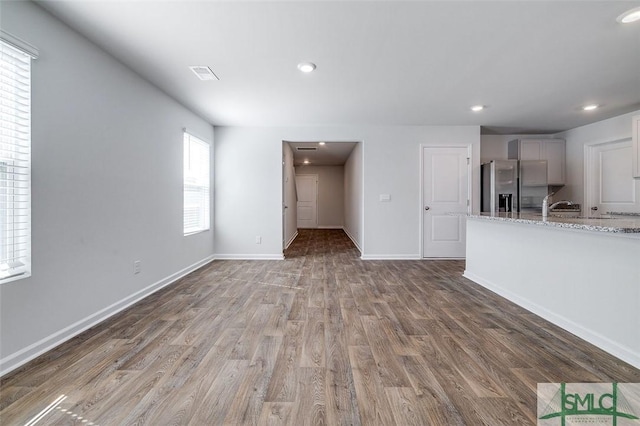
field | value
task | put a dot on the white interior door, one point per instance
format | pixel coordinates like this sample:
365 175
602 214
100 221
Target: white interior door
307 189
610 187
445 186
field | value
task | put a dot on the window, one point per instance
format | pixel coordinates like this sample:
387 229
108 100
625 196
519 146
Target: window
197 181
15 161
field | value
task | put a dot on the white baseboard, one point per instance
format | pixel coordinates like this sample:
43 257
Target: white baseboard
21 357
604 343
390 257
443 258
330 227
226 256
353 240
286 246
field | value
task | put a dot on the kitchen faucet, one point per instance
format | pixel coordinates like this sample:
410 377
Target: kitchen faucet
546 207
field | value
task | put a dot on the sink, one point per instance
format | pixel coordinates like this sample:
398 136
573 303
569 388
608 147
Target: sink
595 217
558 216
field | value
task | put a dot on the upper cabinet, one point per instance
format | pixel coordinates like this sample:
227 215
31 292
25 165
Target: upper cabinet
635 130
551 150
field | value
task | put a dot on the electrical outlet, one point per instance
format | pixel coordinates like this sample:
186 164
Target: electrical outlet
258 240
137 266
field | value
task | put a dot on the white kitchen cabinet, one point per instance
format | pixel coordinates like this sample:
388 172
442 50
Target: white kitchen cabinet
531 150
554 152
635 129
551 150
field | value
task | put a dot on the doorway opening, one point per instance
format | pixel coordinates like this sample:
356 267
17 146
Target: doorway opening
321 188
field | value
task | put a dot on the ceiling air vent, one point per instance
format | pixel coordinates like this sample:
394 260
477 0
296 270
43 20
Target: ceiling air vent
204 73
306 148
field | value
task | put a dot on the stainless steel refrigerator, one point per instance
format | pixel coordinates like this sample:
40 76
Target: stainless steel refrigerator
513 186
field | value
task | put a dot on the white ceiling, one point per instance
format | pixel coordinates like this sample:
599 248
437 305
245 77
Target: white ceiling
533 63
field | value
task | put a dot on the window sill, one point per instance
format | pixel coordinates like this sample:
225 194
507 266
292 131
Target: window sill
15 277
197 232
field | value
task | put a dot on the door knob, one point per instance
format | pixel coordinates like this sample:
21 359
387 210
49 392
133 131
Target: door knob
594 208
427 207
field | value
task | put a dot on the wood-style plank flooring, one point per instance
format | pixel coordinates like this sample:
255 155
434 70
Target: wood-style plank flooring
321 338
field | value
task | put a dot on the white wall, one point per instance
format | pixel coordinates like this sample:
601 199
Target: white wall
494 147
392 166
613 129
107 189
330 193
290 199
353 196
248 193
248 174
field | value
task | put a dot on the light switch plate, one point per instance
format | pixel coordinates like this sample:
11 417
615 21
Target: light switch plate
385 197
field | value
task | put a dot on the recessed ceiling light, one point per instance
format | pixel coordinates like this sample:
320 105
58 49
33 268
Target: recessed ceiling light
320 143
477 108
306 161
629 16
306 66
590 107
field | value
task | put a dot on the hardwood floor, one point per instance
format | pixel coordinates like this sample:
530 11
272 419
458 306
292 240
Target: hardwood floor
320 338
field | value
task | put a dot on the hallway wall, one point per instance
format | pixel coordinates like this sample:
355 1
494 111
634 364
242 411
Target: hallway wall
289 195
353 187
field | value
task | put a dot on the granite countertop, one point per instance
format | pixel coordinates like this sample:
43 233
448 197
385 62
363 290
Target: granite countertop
621 224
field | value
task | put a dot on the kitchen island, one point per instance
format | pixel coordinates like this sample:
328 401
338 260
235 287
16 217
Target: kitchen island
581 274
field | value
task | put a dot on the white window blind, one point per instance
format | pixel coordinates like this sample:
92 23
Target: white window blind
15 163
197 179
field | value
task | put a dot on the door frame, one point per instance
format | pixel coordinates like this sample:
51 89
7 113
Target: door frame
469 149
589 181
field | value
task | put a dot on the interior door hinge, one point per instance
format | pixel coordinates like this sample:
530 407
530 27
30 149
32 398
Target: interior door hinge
468 160
467 203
